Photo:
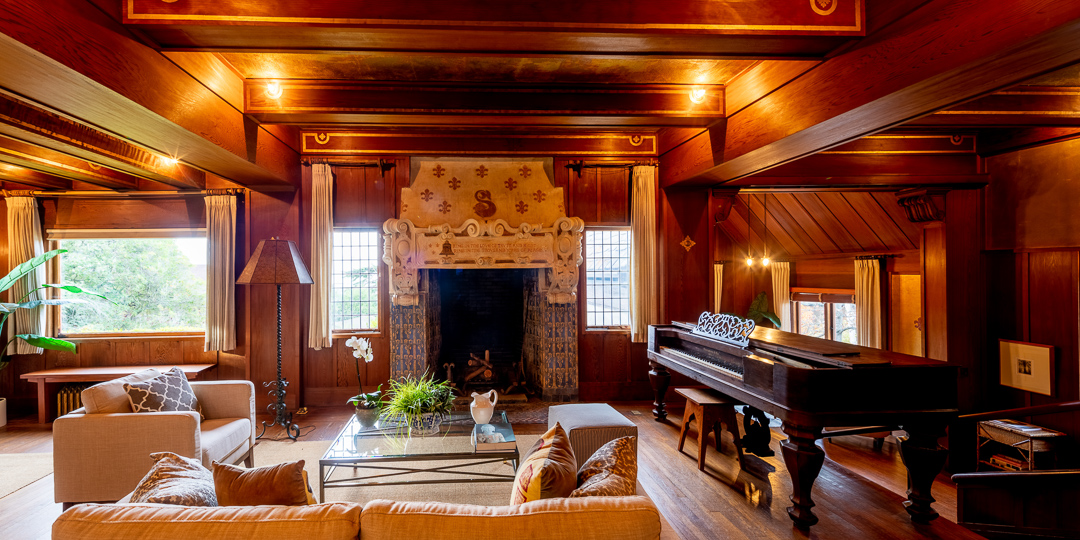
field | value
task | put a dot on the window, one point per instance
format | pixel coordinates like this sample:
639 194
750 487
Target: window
607 277
156 285
354 294
825 315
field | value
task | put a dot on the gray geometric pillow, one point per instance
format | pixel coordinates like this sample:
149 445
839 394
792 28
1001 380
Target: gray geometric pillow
169 391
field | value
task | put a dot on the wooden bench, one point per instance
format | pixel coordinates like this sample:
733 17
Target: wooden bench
49 381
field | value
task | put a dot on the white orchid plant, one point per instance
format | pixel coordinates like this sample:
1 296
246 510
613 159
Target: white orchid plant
362 349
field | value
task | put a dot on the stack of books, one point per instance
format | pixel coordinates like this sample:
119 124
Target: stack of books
493 437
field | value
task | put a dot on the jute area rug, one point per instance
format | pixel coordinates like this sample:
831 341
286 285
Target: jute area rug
482 493
20 470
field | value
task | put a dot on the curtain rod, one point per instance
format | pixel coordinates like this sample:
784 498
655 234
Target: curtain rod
577 166
133 194
383 164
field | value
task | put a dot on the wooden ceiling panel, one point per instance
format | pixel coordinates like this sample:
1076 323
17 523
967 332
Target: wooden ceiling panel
879 221
777 233
790 204
808 223
485 69
887 202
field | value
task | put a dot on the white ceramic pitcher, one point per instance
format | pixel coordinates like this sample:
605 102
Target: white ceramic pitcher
483 405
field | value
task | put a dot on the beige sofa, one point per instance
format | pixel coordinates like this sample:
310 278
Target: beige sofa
587 518
101 456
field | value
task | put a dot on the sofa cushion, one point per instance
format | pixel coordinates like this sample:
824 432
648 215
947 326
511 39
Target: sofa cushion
176 480
223 437
282 484
593 518
548 470
330 521
110 397
611 471
169 391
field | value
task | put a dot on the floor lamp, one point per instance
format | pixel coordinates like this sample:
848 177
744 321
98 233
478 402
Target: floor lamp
277 262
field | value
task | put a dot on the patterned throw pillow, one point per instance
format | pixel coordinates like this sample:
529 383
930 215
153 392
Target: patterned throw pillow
549 469
611 471
176 480
284 484
169 391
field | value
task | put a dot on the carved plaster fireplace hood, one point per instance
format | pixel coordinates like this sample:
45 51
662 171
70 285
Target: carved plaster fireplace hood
483 214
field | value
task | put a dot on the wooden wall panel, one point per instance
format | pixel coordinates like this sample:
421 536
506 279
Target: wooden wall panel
1031 202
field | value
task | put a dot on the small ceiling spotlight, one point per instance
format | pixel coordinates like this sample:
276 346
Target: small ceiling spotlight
273 90
169 160
697 95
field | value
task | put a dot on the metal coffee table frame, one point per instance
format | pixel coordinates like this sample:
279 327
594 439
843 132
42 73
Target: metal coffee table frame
390 474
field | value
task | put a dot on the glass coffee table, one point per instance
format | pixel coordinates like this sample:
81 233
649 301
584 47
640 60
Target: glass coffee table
396 458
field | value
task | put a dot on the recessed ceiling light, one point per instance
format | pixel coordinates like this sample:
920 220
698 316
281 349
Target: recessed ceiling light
273 90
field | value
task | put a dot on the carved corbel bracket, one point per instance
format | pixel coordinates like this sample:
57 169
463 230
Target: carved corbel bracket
720 203
923 205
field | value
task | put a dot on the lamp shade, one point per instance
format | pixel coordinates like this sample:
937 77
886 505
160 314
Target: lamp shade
275 262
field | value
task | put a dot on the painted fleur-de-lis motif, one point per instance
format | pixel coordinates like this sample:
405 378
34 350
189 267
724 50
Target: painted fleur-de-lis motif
438 171
454 183
539 195
481 171
522 207
444 207
525 171
427 195
510 184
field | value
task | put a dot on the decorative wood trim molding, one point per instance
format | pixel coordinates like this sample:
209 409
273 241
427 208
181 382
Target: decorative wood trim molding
923 205
721 201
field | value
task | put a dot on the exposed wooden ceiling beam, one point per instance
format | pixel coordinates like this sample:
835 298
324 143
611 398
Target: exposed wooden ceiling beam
689 28
313 102
944 53
33 124
1019 106
857 183
70 57
30 177
53 163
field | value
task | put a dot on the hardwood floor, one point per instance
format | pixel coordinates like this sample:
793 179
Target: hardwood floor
859 493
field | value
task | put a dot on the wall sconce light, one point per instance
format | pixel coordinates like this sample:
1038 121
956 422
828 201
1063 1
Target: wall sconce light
273 90
697 95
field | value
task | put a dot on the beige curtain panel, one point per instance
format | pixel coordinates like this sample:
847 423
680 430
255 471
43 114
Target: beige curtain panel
781 293
718 285
220 273
868 302
322 249
24 243
644 292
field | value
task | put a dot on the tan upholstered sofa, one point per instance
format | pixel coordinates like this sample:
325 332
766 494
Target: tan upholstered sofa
587 518
101 456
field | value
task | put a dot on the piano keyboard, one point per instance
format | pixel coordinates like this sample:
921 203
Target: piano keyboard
726 368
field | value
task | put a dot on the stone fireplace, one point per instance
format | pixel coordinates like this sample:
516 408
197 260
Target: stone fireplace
484 267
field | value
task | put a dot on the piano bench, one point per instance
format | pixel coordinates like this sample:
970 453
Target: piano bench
590 426
711 409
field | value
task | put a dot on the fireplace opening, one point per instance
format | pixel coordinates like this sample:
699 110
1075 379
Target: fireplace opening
481 327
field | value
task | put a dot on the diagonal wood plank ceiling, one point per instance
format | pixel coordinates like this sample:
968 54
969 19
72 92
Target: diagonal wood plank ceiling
805 223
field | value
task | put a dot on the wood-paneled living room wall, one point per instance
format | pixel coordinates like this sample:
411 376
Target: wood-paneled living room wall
611 367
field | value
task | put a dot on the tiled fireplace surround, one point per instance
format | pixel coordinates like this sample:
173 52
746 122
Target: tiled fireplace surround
549 342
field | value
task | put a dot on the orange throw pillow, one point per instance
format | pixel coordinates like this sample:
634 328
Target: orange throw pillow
548 471
283 484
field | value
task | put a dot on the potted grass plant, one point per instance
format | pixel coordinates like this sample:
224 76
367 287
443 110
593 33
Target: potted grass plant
7 309
418 405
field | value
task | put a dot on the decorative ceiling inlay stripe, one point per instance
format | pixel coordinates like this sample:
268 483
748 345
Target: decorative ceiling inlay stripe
599 144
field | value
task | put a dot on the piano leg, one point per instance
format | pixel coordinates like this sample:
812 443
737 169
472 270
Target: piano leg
804 460
924 459
660 379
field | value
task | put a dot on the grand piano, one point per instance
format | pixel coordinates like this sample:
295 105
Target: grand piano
810 383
